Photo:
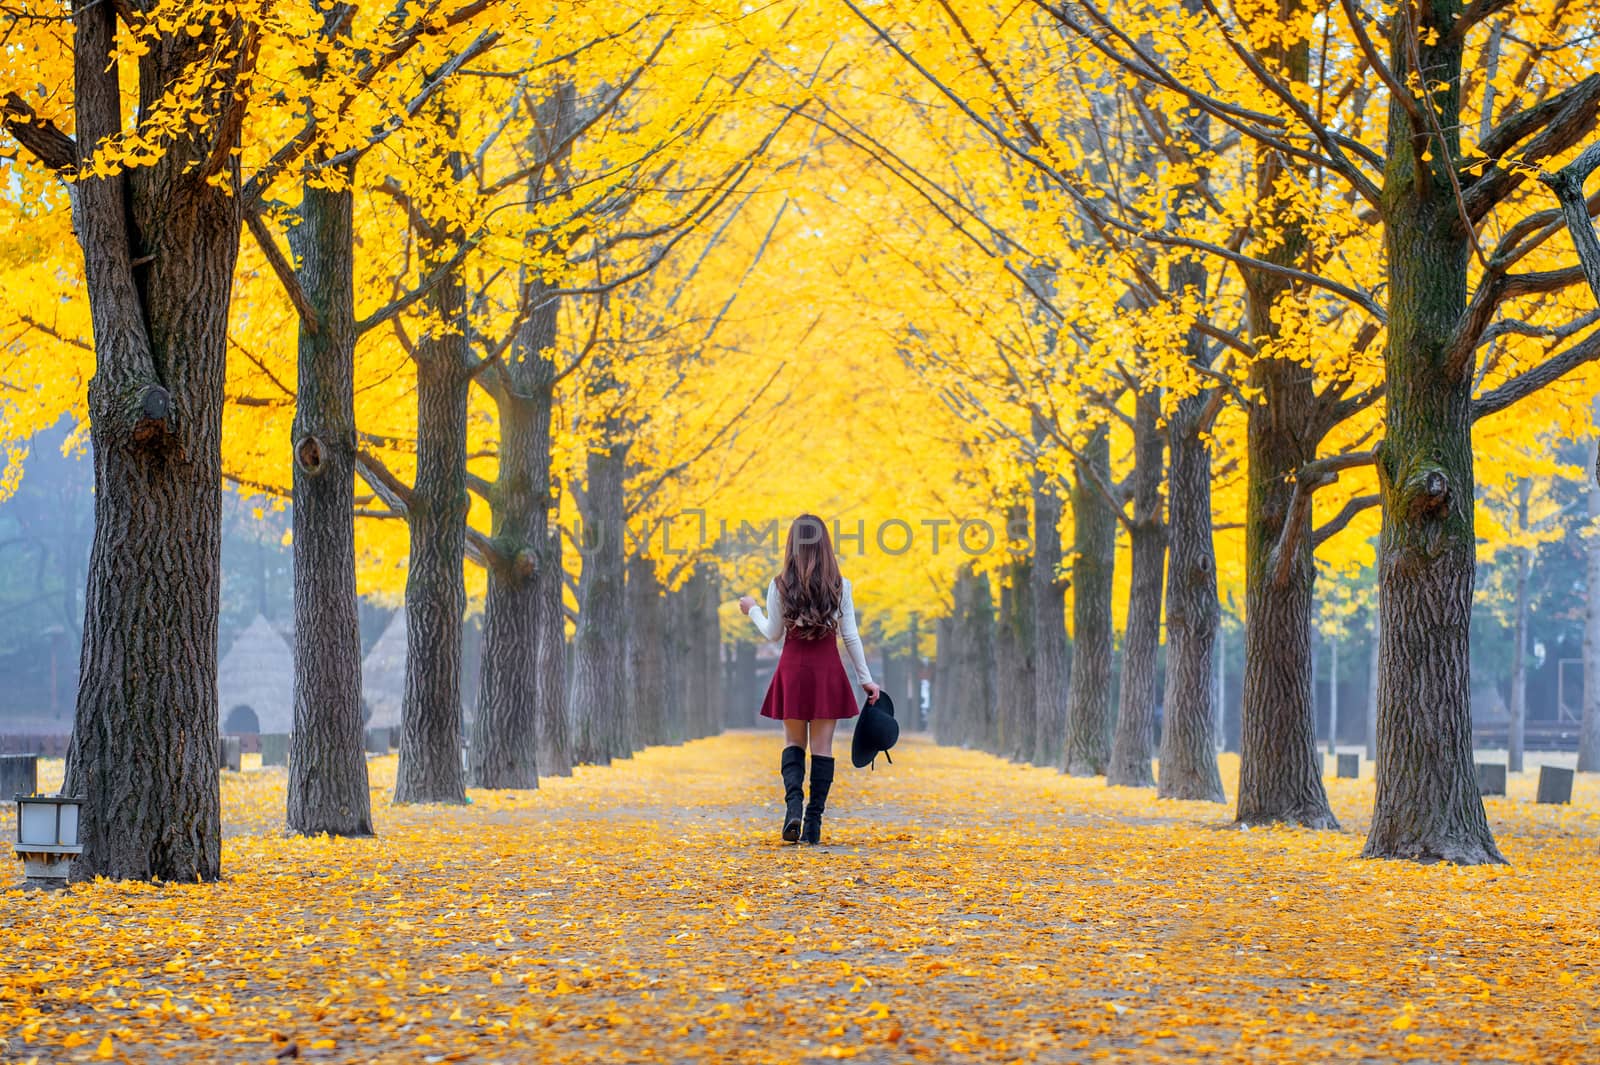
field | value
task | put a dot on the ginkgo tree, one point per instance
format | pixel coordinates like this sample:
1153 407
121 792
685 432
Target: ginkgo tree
156 211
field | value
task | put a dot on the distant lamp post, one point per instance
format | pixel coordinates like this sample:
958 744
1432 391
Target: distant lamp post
47 835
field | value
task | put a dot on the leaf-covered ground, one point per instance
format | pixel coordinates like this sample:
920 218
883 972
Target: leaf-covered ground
962 910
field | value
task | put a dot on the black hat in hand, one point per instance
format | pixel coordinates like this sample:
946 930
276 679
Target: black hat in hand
876 732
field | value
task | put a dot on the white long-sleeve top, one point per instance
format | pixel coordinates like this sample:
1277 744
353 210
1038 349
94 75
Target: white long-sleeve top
770 622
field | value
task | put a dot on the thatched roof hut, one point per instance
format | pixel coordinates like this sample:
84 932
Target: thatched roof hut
383 674
255 682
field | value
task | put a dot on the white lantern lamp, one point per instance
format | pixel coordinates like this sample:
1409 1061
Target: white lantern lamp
47 835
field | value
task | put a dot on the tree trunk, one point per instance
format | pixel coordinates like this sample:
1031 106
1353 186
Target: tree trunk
143 752
1589 734
1372 689
1219 699
520 726
1428 806
1050 670
915 720
974 683
600 730
1014 655
747 694
506 732
676 647
550 659
1522 559
327 763
1094 556
647 667
708 645
1188 734
430 742
1333 693
1132 746
943 653
1280 771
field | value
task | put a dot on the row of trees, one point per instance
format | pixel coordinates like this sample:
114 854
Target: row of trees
1143 280
484 227
1292 251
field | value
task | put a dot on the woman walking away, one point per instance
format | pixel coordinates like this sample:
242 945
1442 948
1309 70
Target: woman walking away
808 605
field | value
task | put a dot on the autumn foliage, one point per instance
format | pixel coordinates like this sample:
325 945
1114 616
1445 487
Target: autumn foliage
961 910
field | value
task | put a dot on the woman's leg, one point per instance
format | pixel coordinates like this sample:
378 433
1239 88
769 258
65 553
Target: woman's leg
794 777
821 779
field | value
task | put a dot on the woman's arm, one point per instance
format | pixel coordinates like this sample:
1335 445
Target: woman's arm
852 638
770 621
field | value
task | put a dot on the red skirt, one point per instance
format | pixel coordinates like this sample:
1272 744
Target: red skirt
809 683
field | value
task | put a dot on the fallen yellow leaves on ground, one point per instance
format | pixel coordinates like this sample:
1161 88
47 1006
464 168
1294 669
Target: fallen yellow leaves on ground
962 910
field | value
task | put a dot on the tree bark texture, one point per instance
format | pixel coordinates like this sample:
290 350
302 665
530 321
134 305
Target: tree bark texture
939 709
972 680
1372 690
1094 555
159 245
600 731
1280 771
1188 734
505 741
1050 668
746 690
676 642
1428 806
647 667
553 731
701 649
1132 745
512 728
914 694
1014 656
711 643
430 742
327 763
1522 559
1589 732
1188 762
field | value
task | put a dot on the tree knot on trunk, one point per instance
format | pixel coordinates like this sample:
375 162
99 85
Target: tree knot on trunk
525 563
1426 493
148 416
308 454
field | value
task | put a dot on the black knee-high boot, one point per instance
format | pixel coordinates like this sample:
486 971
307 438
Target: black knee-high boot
821 781
794 780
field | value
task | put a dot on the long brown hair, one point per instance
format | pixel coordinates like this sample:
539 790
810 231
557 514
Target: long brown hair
810 585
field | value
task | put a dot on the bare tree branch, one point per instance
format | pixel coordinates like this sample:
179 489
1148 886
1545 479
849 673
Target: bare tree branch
282 268
1347 513
1530 381
40 136
1567 184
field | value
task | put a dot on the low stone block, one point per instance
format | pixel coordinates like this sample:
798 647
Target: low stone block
377 741
19 775
1491 778
1349 766
230 756
274 748
1555 784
